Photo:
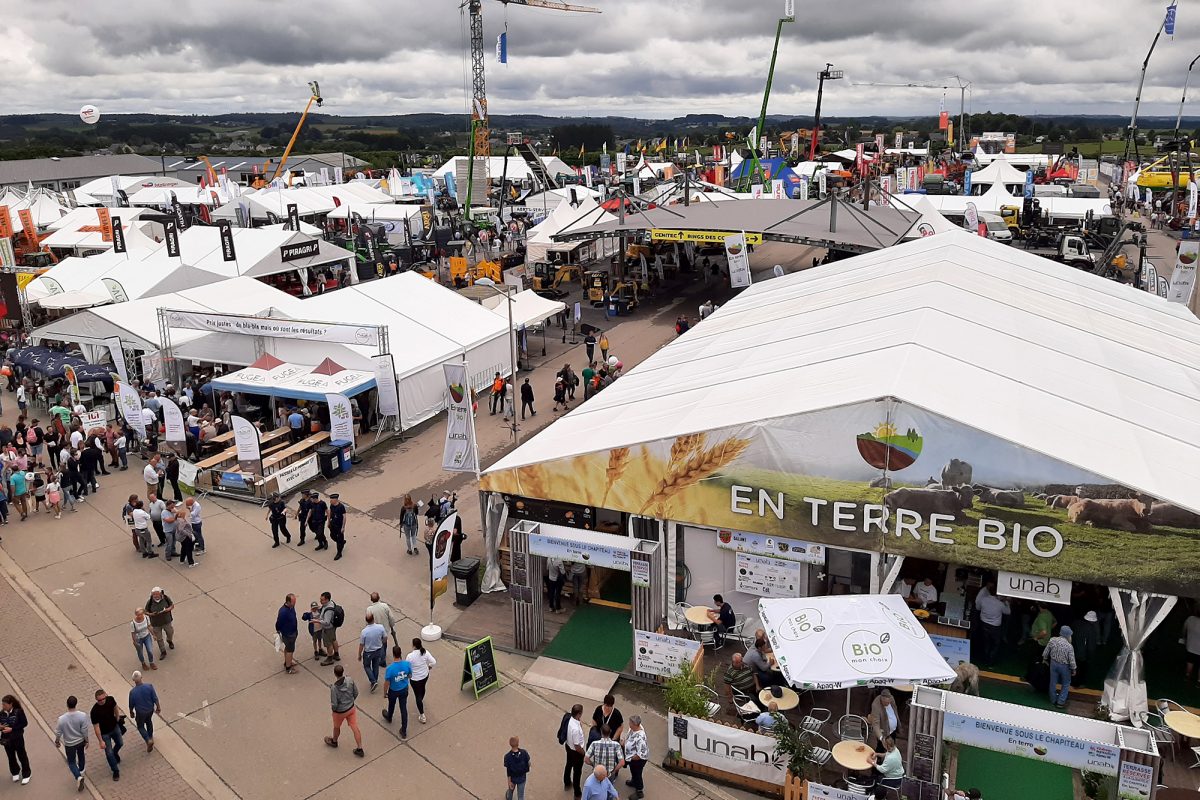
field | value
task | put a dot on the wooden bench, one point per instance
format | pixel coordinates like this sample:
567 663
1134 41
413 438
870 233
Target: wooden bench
301 448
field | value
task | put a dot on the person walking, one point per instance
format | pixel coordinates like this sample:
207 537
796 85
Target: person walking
1060 654
195 517
106 719
370 649
317 512
13 722
186 534
421 661
408 524
143 641
287 628
337 524
328 616
598 786
384 615
560 394
342 694
516 766
71 733
302 511
573 769
277 516
159 608
589 344
603 347
398 677
19 491
141 529
498 386
637 753
527 399
143 705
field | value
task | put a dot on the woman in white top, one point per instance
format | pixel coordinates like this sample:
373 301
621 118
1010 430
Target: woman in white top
143 641
421 661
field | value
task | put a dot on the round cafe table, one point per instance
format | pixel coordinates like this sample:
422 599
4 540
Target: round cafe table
854 756
786 701
1184 723
697 615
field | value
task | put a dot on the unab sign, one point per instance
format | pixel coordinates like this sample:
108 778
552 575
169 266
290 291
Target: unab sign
887 476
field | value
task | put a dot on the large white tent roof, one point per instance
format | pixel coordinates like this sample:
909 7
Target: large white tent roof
563 219
355 192
516 169
390 212
998 172
102 187
257 250
998 195
42 206
186 195
528 308
1081 369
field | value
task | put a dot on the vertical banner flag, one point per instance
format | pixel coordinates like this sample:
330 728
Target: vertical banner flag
105 219
227 251
177 210
1183 279
971 216
171 233
899 140
73 383
879 143
131 404
338 175
738 259
385 382
6 230
822 185
324 176
173 418
439 567
248 444
27 226
885 190
118 236
293 214
789 9
502 48
460 453
967 182
777 190
756 191
950 134
1192 199
118 356
341 418
804 187
1029 183
1169 22
859 150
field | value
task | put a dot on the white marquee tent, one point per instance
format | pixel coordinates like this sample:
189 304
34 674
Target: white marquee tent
997 196
1000 172
563 219
516 170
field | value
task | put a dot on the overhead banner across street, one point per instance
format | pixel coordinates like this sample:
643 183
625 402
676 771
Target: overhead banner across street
334 333
700 237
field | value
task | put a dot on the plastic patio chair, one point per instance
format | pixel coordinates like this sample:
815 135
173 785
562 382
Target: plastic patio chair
852 728
678 621
714 699
815 719
747 710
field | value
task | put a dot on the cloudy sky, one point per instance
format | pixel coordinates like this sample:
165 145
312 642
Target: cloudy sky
647 58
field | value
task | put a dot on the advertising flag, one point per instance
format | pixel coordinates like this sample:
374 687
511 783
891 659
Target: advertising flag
171 233
248 444
27 226
227 251
1169 22
293 215
173 419
130 403
738 259
118 236
339 175
460 453
1183 279
6 230
118 356
789 9
967 182
1192 199
341 418
72 382
502 48
1028 183
385 381
105 219
439 566
899 140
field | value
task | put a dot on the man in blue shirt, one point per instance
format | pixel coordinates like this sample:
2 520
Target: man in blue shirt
285 626
768 719
370 650
143 704
296 425
397 675
516 764
598 786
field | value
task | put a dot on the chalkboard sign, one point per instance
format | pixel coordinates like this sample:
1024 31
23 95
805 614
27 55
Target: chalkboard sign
924 745
922 769
479 666
679 727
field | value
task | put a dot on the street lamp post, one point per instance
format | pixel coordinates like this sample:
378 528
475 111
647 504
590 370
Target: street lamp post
512 353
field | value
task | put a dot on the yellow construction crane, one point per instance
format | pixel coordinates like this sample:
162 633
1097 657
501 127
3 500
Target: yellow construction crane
314 97
479 108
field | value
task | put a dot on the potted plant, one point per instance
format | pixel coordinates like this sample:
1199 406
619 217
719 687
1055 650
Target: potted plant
688 693
796 746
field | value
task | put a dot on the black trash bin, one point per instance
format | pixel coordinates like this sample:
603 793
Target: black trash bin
466 581
329 460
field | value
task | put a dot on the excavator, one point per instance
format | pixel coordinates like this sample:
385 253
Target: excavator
544 286
314 97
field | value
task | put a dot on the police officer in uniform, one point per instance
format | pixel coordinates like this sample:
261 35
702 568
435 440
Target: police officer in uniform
317 512
302 511
337 523
277 515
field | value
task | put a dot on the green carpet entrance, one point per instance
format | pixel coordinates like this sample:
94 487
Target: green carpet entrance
1002 775
596 636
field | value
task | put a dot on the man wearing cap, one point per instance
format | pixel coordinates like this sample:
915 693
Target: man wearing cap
277 516
159 608
337 524
302 511
317 512
1060 654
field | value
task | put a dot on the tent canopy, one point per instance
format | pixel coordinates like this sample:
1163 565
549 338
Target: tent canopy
565 218
275 378
528 308
961 326
840 641
998 172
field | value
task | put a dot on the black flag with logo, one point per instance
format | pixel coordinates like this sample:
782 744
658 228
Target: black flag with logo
177 210
172 236
293 217
118 235
227 251
369 243
122 198
272 219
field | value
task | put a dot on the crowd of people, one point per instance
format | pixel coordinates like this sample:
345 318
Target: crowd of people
607 746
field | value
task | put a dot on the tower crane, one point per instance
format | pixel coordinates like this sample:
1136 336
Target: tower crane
479 108
962 100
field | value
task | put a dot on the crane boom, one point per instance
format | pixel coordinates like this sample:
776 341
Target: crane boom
314 96
479 112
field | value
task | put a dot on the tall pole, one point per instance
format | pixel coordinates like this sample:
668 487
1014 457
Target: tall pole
512 341
816 131
1131 135
755 172
1183 97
